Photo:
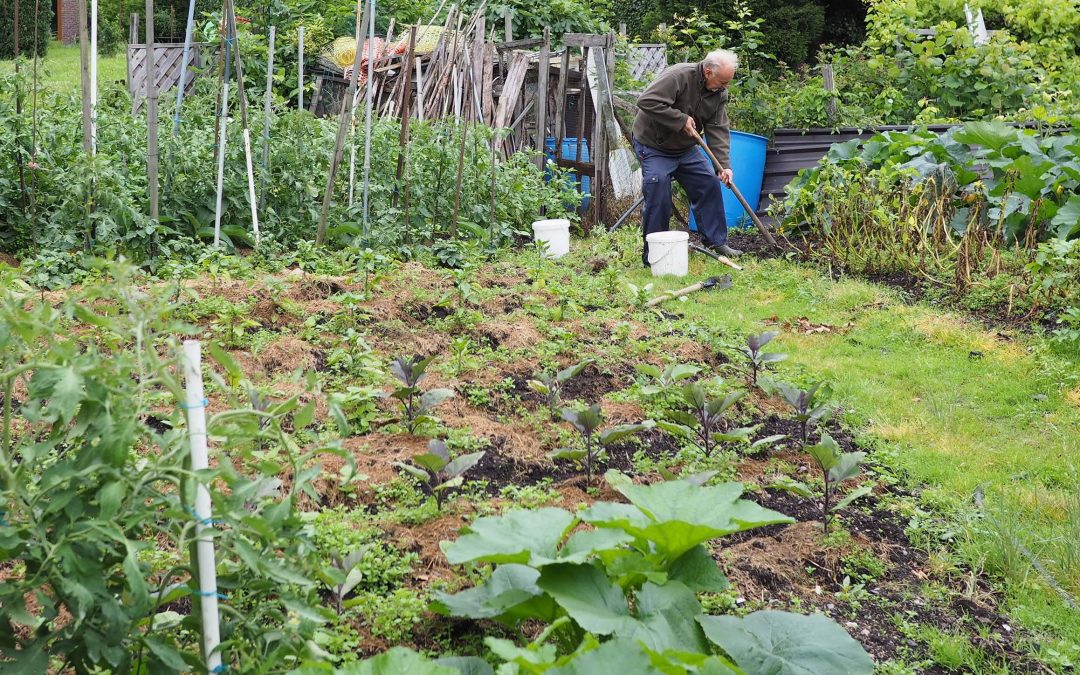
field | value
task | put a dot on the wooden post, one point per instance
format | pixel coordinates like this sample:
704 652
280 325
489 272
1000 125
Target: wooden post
622 29
508 26
343 128
406 98
300 74
828 79
543 73
560 102
151 113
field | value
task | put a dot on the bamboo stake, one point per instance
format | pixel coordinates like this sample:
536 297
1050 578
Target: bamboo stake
245 127
367 130
33 129
403 136
189 35
151 113
222 138
18 108
267 111
343 127
352 119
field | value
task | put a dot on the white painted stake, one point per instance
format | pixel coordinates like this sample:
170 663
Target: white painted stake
196 419
419 91
251 185
300 58
221 162
93 76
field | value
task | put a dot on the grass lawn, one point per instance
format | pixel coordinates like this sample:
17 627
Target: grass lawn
956 406
59 70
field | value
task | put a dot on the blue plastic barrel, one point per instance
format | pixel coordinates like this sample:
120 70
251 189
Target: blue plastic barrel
748 163
569 151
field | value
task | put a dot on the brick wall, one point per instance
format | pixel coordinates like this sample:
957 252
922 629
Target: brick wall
68 21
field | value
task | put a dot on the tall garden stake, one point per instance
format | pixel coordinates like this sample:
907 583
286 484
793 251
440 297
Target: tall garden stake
196 419
189 35
367 117
245 127
226 72
18 107
151 113
267 110
93 75
84 72
300 74
343 128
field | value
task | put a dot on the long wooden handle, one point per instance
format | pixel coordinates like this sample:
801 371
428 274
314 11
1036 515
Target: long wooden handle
738 194
724 259
671 295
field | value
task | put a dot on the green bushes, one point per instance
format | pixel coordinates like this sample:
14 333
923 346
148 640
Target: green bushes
26 28
910 202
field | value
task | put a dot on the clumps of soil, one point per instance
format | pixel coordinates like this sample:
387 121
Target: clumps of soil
592 383
270 314
500 334
287 354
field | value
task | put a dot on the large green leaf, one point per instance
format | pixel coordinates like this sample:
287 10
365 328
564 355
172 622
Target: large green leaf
589 597
585 543
510 594
1066 223
397 661
782 643
624 657
666 618
697 569
676 516
518 536
994 135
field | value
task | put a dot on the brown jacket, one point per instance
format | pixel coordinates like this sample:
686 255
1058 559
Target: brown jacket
675 94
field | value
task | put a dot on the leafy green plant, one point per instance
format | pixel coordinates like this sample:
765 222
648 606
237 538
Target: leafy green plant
587 422
356 407
757 359
461 347
702 425
623 593
808 413
437 472
639 295
836 467
550 386
670 376
415 403
343 575
82 500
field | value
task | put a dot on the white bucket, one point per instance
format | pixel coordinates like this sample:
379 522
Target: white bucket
669 253
556 232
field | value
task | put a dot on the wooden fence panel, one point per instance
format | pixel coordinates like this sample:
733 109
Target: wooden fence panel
167 58
646 60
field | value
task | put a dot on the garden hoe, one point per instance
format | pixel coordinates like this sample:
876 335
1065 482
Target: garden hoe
736 192
719 283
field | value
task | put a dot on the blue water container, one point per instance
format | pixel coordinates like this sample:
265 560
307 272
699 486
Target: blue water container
748 163
569 151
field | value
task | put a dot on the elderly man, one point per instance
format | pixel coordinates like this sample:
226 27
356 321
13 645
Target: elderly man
683 101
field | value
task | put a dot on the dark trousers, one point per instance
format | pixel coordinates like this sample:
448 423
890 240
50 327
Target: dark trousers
695 173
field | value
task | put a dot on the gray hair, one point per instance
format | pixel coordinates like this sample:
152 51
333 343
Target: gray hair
722 57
